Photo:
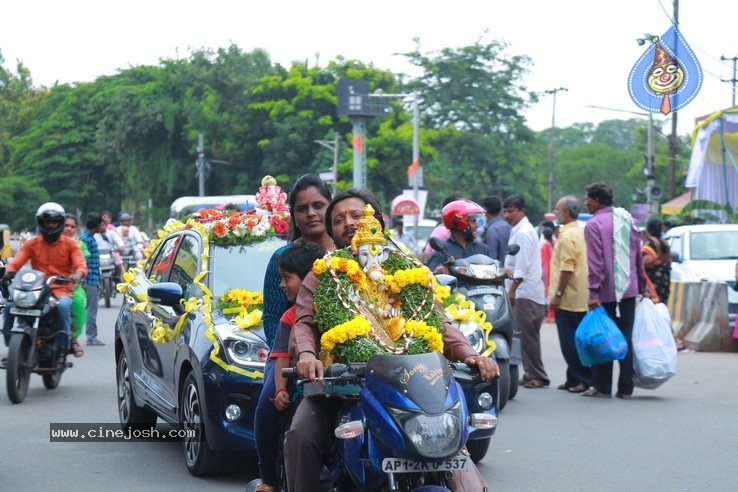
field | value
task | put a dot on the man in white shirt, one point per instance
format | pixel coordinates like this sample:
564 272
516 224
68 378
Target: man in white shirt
526 290
131 236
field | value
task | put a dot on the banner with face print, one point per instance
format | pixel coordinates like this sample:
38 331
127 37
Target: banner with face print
667 76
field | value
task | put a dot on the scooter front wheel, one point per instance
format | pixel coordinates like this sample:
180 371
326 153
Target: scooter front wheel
20 355
503 382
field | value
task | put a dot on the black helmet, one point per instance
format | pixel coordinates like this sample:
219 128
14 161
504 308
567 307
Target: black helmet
53 212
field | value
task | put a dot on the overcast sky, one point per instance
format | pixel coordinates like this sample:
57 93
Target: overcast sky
586 46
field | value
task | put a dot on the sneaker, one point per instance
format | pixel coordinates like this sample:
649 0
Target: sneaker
95 341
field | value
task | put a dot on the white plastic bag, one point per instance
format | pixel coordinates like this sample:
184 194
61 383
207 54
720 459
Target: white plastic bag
654 350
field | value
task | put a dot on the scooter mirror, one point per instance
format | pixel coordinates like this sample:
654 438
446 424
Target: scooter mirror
436 244
513 249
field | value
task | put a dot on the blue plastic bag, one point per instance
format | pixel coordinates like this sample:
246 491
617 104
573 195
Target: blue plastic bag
598 339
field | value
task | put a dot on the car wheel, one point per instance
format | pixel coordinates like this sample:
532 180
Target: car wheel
129 413
503 382
478 448
514 378
19 366
199 458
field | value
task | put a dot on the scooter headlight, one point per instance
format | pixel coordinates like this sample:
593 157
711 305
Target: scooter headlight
434 436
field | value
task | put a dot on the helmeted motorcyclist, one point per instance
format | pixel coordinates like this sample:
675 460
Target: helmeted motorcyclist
54 254
131 236
460 218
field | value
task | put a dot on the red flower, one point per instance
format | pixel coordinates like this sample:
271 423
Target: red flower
280 225
220 229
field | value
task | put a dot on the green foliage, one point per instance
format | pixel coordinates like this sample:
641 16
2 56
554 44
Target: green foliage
121 140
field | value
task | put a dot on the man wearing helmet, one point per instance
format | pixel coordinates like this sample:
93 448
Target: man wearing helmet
130 235
54 254
459 217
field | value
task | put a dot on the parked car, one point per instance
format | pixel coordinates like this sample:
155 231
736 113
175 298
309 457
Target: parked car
189 346
705 252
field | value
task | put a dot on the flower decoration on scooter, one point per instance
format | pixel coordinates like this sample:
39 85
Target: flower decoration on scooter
379 301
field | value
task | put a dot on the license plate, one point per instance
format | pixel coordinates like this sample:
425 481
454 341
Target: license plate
25 312
396 465
482 290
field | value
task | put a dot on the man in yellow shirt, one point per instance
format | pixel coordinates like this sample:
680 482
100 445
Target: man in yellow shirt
568 291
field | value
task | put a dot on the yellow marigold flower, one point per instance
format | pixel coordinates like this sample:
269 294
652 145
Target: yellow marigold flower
319 267
422 329
344 332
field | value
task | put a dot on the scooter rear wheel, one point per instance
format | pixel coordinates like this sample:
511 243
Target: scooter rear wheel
19 366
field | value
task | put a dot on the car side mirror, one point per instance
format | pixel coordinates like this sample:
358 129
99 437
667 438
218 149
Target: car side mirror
676 257
167 294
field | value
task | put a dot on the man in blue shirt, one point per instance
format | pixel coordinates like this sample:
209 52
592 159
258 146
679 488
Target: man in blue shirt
93 225
496 230
459 217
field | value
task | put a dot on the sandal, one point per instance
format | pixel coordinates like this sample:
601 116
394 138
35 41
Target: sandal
581 387
535 383
262 487
593 393
563 386
76 349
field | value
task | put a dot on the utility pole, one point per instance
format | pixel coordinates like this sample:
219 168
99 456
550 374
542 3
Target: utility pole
733 80
673 137
332 145
552 156
200 164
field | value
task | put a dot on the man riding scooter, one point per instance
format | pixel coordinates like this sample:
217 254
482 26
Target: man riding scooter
54 254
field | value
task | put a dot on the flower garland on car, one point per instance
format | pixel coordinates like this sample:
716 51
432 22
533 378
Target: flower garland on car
371 312
223 229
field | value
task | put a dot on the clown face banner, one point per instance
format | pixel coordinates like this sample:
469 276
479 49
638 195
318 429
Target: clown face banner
667 76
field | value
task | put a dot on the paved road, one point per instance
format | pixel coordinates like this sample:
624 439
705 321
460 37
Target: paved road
681 437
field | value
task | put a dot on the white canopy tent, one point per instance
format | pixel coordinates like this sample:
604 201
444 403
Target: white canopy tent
713 167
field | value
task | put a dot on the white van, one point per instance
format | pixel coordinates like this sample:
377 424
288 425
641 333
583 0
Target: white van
185 205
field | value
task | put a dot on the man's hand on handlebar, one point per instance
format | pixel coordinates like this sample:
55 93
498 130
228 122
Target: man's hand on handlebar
76 277
8 277
308 367
488 368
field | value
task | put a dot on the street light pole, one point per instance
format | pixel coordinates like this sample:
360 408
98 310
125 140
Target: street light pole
552 155
649 169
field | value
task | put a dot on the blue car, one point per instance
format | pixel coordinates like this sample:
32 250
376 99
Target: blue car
189 345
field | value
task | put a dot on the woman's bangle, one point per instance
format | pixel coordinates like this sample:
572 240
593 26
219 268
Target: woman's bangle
279 390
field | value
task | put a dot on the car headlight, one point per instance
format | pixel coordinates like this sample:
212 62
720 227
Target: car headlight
242 348
26 299
434 436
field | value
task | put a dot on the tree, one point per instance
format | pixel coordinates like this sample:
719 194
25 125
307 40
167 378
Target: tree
477 90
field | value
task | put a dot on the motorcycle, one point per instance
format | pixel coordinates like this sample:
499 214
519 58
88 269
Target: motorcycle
402 425
481 279
107 275
33 337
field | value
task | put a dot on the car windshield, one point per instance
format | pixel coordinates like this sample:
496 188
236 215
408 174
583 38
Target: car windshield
241 267
714 245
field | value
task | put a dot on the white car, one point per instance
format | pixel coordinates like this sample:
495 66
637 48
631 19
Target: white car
424 232
705 252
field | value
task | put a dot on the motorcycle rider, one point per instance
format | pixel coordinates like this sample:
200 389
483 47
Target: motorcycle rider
311 433
459 217
109 239
131 236
54 254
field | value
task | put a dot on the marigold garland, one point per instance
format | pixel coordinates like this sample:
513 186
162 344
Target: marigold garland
346 335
